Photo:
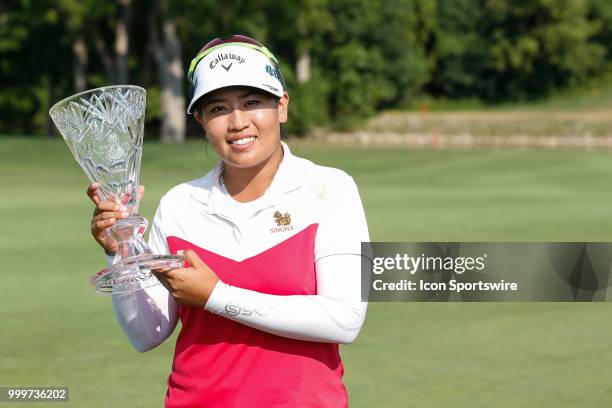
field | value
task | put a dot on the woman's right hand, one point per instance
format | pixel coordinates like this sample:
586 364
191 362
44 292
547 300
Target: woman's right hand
105 214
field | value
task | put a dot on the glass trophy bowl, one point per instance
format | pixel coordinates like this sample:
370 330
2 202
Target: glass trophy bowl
104 129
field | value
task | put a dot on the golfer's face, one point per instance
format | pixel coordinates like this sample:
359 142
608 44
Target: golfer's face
242 124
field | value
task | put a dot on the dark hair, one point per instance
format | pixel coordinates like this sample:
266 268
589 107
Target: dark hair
230 39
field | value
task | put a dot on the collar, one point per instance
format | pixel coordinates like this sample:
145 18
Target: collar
291 174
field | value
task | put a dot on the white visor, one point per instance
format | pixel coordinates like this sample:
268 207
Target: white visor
235 65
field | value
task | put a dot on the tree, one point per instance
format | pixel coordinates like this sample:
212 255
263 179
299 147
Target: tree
166 49
31 33
502 50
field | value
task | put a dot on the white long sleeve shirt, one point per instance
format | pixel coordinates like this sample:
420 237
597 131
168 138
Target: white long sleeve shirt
311 214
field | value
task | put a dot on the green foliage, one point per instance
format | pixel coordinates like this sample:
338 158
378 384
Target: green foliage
601 13
455 48
515 50
307 104
29 36
365 55
154 106
377 62
359 85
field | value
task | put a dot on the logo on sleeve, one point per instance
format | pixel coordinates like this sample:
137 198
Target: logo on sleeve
283 222
234 309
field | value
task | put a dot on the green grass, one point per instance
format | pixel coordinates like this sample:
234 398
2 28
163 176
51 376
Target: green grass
57 331
577 112
595 93
487 124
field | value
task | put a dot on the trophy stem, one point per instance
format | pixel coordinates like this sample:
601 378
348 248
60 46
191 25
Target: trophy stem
128 233
134 260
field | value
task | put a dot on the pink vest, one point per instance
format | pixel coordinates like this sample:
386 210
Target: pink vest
221 363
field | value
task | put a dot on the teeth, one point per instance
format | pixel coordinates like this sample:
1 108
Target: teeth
244 140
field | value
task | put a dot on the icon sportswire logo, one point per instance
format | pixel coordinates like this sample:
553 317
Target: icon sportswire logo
283 222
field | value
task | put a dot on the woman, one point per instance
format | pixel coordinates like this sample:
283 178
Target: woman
274 247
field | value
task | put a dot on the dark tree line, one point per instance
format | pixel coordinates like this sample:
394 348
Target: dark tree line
343 60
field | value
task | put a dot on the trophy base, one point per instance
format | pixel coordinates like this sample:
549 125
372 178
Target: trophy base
133 273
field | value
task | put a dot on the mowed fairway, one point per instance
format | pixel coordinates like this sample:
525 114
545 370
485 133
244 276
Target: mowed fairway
57 331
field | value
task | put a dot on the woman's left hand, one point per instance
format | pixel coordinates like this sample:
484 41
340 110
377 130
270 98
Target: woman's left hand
189 286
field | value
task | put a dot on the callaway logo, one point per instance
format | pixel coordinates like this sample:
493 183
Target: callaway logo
283 222
226 56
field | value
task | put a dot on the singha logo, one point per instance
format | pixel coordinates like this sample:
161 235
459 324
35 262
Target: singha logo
283 222
282 219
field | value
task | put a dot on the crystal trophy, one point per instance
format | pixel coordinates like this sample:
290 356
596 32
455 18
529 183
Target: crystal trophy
104 129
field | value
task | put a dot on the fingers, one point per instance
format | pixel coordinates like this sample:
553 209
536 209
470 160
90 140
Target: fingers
103 224
111 206
139 193
160 274
168 272
165 276
111 214
161 270
192 258
103 219
92 192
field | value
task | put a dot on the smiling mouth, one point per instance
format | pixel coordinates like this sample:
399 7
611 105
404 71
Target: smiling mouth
244 140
